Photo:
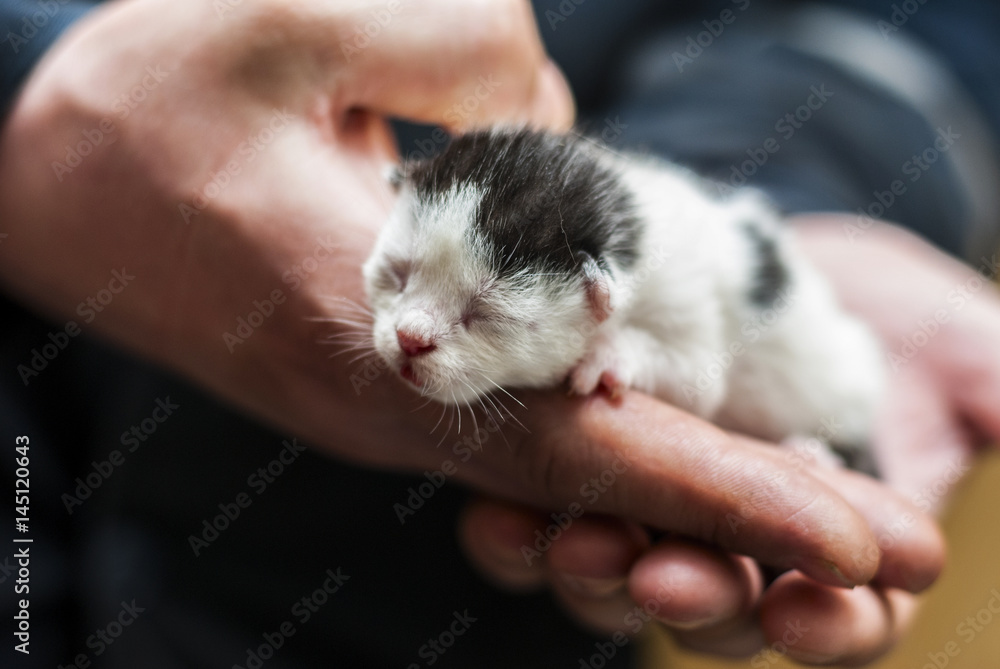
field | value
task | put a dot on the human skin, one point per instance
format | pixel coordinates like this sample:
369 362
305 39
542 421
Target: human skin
201 256
943 406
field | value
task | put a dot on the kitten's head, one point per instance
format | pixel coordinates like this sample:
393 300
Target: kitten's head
496 264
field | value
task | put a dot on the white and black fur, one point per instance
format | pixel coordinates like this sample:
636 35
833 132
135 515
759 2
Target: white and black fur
518 258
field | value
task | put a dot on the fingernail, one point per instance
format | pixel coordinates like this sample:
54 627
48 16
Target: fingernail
694 624
593 587
817 567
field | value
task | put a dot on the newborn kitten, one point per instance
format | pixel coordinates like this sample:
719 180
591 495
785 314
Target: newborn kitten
519 258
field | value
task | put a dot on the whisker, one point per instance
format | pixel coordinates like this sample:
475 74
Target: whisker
510 413
338 319
351 345
361 356
504 391
485 397
472 412
343 301
428 401
352 335
451 420
499 420
444 410
350 322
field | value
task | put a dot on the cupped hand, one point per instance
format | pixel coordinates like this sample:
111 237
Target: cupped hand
614 578
939 321
229 158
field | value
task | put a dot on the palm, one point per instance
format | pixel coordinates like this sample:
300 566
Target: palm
939 321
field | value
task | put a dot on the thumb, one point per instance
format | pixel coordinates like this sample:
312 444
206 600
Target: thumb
454 63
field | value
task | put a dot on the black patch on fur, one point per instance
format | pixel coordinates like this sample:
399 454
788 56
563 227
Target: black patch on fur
770 275
858 457
546 198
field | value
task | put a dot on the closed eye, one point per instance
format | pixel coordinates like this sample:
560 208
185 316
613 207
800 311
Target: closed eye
394 275
476 311
470 316
486 308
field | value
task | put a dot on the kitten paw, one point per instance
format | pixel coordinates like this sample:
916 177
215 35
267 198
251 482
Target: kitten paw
600 368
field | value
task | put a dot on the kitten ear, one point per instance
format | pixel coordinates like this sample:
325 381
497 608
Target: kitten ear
597 282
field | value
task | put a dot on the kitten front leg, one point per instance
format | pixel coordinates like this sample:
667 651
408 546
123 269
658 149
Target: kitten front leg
607 364
680 372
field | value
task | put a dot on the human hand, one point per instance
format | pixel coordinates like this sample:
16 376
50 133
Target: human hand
940 336
248 180
231 157
943 401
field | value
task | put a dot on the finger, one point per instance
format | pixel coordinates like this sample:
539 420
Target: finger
649 462
909 545
589 566
493 533
585 560
602 606
922 450
817 624
596 549
689 586
459 64
518 545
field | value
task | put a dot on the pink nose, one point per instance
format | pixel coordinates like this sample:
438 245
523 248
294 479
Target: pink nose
414 345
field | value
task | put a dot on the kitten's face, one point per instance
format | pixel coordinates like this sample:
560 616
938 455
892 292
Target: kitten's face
452 324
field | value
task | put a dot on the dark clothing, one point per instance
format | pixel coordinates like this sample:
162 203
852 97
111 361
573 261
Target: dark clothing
27 30
146 492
